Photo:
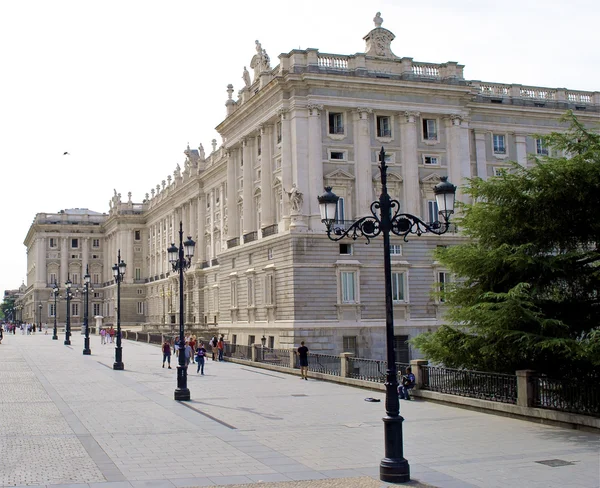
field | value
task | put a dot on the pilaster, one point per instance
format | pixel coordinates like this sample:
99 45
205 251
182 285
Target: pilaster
248 177
410 162
286 162
233 218
266 175
315 165
521 144
480 154
363 172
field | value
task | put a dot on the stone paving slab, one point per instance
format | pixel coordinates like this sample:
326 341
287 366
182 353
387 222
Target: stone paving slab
362 482
69 420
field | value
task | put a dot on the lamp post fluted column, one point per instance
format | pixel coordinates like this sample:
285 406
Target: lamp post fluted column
385 219
181 259
55 292
86 290
68 323
119 274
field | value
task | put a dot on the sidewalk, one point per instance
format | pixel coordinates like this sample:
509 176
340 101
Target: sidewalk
71 420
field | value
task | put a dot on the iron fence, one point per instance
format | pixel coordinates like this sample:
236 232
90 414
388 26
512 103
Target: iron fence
372 369
142 337
238 351
582 397
475 384
154 338
325 363
277 357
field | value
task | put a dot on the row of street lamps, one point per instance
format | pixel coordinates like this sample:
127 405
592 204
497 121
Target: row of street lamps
180 259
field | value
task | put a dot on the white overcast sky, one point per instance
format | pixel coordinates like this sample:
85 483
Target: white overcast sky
124 85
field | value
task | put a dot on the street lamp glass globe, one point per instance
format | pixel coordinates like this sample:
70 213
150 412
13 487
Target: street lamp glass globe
328 206
188 246
115 270
87 278
445 193
68 284
122 267
173 253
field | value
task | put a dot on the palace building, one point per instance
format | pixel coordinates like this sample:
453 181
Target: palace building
263 265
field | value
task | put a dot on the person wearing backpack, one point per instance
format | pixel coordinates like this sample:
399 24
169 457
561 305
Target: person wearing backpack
200 354
166 350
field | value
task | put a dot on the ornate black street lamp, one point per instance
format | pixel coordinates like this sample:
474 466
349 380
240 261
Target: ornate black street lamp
86 290
386 218
181 259
40 317
68 324
55 292
119 274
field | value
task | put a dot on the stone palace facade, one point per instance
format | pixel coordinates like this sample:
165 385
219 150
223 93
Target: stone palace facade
263 264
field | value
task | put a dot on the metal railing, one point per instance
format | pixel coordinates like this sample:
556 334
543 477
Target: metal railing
372 369
154 338
142 337
277 357
582 397
325 363
474 384
238 351
270 230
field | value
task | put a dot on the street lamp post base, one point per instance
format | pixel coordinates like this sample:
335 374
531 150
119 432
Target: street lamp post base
87 352
86 347
54 338
67 342
393 467
119 366
182 394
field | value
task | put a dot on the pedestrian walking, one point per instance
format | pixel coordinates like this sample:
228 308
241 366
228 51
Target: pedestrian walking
221 348
46 328
111 334
103 336
188 354
303 357
193 345
200 355
2 335
213 347
166 350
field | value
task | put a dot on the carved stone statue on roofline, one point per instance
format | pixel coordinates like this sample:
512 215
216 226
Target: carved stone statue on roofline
260 61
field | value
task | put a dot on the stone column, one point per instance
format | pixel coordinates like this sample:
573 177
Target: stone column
363 173
459 159
130 270
417 370
345 364
480 154
286 163
85 252
41 274
266 176
410 162
525 388
201 245
299 136
521 143
248 177
315 165
64 261
233 219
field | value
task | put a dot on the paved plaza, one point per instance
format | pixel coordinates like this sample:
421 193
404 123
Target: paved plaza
71 420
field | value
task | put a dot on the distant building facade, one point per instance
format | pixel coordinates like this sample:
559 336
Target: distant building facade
263 264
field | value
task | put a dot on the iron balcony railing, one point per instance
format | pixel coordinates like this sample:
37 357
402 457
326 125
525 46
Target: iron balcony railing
250 236
233 242
270 230
475 384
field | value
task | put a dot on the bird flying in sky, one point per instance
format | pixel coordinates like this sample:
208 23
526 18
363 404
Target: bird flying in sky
66 153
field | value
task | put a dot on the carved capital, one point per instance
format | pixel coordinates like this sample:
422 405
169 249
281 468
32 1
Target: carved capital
314 109
456 119
411 117
363 112
283 113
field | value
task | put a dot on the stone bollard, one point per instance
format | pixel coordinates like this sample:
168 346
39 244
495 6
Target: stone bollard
254 353
345 364
525 387
293 363
415 366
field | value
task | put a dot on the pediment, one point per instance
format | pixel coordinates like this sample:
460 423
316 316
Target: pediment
432 179
339 174
276 181
392 177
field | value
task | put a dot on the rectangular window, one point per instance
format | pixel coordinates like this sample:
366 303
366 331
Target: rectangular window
75 278
74 243
234 298
340 211
138 235
384 126
540 147
337 155
348 279
431 161
251 340
336 123
401 348
499 143
138 273
429 129
52 278
269 289
51 310
250 292
349 344
346 249
432 211
499 171
95 278
96 309
96 243
443 278
140 291
395 250
271 342
140 308
397 287
270 254
52 242
75 309
278 132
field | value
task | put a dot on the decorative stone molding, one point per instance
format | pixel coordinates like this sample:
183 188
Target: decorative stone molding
283 113
363 112
379 40
410 117
314 109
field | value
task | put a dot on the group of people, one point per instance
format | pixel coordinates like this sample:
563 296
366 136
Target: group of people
107 336
24 328
194 351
